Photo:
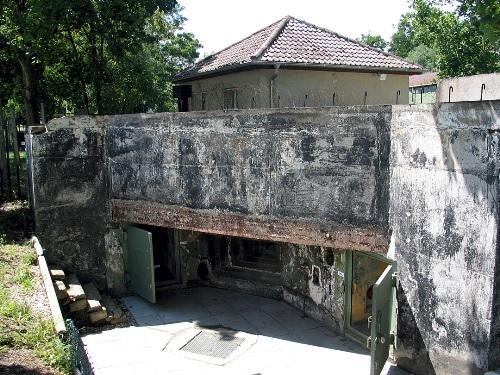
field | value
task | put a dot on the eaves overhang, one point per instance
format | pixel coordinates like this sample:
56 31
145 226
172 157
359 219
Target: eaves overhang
296 66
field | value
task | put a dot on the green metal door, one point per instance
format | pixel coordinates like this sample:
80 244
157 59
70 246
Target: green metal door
140 263
381 320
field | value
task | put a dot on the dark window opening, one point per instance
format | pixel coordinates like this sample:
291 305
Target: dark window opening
329 257
315 275
230 99
257 255
203 101
182 93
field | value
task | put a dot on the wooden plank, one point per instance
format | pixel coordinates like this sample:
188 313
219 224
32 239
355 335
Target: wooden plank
55 309
78 305
299 231
115 313
98 316
57 273
93 297
60 289
75 290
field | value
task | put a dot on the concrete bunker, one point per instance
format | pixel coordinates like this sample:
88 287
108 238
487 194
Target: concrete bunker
416 184
334 286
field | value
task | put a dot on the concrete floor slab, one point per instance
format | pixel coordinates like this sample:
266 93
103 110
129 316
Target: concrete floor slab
282 341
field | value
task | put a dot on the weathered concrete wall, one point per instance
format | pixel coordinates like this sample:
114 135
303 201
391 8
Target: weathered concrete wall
444 215
70 195
291 87
313 177
259 174
468 89
325 300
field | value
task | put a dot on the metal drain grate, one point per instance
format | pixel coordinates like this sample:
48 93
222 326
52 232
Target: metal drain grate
213 344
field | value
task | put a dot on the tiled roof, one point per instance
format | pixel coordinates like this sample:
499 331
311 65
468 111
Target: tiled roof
294 42
425 79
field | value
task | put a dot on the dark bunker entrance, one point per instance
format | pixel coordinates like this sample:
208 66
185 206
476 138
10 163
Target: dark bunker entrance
160 259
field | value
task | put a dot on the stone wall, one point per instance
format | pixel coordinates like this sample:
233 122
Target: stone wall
444 216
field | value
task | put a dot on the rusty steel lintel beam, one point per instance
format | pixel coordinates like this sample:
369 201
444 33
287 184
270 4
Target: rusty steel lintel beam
295 231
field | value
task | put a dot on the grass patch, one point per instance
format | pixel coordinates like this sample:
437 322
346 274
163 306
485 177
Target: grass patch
20 327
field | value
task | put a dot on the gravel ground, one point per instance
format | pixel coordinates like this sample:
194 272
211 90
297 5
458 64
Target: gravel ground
37 299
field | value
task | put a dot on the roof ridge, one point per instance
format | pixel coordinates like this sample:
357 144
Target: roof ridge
272 37
357 41
239 41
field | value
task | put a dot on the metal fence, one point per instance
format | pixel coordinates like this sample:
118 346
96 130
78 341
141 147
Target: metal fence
10 161
80 364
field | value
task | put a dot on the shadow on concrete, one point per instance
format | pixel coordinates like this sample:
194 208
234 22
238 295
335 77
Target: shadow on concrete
213 308
410 342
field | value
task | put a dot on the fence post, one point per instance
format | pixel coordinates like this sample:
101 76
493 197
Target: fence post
15 149
3 163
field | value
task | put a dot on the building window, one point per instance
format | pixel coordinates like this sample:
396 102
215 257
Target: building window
203 101
230 99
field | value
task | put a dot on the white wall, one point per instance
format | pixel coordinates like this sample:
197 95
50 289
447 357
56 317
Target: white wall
468 89
292 86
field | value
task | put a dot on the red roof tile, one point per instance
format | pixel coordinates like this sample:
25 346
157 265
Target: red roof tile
294 42
425 79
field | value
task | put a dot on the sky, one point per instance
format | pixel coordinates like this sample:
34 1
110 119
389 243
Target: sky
219 23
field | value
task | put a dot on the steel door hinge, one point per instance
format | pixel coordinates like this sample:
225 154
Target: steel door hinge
394 279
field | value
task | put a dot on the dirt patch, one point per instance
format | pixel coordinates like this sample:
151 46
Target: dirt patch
22 362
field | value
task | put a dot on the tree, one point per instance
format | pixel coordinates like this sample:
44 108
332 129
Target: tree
375 41
459 45
402 41
424 56
486 13
90 55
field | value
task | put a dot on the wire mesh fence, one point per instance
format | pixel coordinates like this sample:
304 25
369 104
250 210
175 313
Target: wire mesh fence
79 361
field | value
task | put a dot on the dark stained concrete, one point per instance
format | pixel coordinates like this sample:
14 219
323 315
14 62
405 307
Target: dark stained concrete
418 184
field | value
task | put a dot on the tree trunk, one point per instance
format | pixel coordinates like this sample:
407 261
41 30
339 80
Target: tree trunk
80 72
97 74
29 92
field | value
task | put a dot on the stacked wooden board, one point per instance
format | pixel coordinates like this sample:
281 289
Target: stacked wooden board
84 302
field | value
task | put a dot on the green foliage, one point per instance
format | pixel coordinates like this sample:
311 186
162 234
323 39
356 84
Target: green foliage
459 45
111 56
375 41
486 15
424 56
402 41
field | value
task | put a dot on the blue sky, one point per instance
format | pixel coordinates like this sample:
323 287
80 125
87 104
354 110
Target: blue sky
219 23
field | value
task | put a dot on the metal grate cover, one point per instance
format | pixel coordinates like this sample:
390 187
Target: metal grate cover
213 344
